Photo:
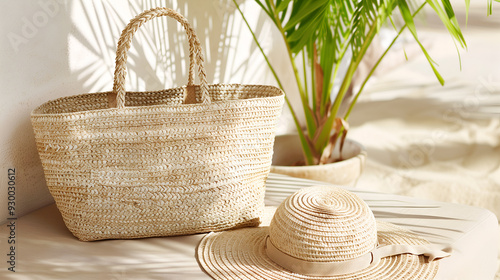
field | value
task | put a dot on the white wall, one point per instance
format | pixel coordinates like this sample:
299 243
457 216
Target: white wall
55 48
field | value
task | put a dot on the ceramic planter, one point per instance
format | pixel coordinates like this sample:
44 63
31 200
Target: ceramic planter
287 151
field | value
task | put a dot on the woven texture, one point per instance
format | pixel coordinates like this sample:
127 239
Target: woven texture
321 224
324 225
140 164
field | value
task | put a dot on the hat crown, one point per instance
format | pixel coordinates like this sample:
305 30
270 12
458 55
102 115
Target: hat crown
324 224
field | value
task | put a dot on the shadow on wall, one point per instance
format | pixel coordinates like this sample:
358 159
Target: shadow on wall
56 48
158 54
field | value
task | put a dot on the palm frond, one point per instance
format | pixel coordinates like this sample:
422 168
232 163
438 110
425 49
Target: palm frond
320 33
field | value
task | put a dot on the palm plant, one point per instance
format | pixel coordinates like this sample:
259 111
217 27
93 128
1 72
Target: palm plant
320 34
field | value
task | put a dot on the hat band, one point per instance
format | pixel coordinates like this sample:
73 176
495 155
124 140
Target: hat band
350 266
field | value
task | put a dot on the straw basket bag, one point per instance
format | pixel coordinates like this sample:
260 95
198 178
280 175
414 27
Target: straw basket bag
171 162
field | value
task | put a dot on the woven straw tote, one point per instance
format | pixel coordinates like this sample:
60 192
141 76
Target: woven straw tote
178 161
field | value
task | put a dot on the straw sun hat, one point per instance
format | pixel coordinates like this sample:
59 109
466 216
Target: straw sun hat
320 233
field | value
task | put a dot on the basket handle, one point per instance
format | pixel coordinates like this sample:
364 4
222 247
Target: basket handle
116 98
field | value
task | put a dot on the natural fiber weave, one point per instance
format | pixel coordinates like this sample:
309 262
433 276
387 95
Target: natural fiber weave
320 224
324 225
157 165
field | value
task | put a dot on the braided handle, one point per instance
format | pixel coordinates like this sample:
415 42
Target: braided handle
117 97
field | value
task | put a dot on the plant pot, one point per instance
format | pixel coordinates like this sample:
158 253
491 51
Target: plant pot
288 151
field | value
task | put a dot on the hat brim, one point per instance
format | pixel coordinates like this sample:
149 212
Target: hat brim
241 254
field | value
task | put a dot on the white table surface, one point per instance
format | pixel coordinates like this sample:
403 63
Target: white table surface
47 250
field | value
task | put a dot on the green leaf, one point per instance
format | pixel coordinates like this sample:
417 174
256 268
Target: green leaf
360 90
490 7
282 6
310 119
408 18
300 37
309 24
259 2
327 62
308 9
324 135
269 6
453 20
306 149
453 30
